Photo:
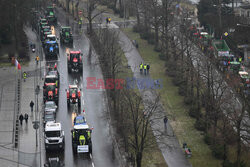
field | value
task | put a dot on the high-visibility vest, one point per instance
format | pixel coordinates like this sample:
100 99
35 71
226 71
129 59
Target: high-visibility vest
82 140
141 66
145 66
240 59
37 58
56 83
24 75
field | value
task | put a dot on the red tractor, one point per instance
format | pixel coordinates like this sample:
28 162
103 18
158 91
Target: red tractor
73 95
50 93
74 61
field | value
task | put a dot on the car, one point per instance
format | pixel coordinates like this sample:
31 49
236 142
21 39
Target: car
49 116
73 95
75 61
50 106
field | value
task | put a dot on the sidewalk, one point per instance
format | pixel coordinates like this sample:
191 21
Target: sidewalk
29 153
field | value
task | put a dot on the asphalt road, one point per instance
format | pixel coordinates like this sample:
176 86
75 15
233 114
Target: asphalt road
93 103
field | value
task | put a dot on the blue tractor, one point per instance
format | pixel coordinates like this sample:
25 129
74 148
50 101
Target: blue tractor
51 49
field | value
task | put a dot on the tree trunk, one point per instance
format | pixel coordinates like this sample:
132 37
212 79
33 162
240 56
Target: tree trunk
238 145
138 159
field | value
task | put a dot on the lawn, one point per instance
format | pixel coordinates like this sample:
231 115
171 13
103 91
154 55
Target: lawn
182 124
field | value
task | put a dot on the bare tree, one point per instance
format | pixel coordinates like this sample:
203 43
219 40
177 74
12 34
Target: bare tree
139 119
91 13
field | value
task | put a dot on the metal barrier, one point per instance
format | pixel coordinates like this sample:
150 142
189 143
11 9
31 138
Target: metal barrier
17 109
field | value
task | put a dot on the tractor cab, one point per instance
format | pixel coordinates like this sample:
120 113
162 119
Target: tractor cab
50 92
44 36
50 15
73 95
66 35
79 120
75 61
51 49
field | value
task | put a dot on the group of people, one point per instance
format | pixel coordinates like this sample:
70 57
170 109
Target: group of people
108 20
26 116
145 68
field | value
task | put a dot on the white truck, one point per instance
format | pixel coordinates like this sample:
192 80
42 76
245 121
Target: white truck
53 136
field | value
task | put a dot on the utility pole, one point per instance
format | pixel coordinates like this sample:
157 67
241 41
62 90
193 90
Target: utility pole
219 13
124 13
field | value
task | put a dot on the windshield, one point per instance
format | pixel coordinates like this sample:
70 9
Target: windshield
53 133
50 80
51 87
50 105
49 117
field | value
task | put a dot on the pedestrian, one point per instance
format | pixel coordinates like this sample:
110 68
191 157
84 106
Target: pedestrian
141 67
165 120
148 67
145 69
24 76
31 106
21 119
26 117
107 20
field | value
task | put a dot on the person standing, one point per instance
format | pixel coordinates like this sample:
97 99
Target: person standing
145 69
21 119
26 117
31 106
165 121
148 67
141 68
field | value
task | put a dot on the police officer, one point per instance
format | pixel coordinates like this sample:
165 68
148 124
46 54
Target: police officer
24 76
240 59
145 69
141 68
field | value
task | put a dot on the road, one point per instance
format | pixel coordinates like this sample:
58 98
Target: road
93 103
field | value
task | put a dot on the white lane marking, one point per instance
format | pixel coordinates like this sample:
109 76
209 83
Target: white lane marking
93 164
90 156
238 100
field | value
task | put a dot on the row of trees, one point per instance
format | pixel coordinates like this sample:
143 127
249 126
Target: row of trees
131 117
217 112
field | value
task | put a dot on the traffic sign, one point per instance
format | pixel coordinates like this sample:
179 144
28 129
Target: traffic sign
35 124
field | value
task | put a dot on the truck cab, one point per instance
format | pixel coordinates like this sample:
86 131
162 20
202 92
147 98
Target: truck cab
53 136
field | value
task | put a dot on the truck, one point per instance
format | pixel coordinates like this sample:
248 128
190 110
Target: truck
81 136
54 136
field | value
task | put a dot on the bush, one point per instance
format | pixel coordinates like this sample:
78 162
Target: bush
217 151
177 81
145 35
136 28
162 56
207 139
151 41
182 90
192 112
188 100
157 48
200 125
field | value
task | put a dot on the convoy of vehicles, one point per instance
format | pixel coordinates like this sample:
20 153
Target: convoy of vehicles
75 61
51 49
50 92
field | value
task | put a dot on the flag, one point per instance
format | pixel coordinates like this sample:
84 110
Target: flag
17 64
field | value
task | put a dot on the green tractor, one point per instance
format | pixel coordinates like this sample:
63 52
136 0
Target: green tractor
66 35
50 15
